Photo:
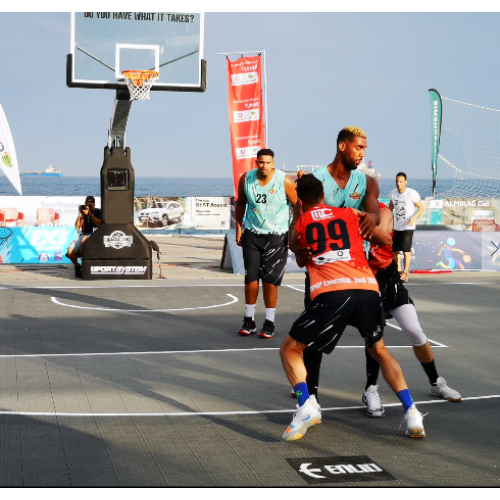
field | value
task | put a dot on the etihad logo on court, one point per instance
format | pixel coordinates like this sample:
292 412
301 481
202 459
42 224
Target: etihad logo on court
118 239
321 214
249 115
355 196
339 469
126 270
242 153
6 159
244 79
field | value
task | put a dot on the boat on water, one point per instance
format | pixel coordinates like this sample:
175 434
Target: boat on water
50 171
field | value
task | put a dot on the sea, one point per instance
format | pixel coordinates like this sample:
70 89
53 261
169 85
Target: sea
174 186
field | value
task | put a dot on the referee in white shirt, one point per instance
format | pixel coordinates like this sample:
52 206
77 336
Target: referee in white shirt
403 202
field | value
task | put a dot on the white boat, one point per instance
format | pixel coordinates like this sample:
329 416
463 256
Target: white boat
50 171
369 170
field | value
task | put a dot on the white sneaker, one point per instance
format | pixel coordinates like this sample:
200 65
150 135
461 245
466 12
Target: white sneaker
314 402
442 390
306 416
371 399
414 422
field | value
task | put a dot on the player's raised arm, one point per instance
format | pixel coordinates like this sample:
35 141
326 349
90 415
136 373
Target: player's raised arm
240 207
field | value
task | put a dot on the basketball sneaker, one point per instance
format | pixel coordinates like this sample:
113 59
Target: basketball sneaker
306 416
267 331
442 390
371 399
414 422
248 326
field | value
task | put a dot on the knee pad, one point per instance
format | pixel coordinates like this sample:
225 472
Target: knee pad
406 316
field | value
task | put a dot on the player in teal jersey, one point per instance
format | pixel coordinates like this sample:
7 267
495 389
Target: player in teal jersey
266 194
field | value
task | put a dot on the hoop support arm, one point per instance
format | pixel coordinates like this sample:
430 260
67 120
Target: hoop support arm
119 117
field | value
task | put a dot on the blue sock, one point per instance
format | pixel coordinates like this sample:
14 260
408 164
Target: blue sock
301 392
405 398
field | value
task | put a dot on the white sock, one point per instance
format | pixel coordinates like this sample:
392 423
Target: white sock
270 313
250 310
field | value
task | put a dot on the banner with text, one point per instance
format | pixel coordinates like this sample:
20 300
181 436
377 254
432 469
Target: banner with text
246 114
436 120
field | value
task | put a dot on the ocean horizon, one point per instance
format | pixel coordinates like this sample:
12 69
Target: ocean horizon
173 186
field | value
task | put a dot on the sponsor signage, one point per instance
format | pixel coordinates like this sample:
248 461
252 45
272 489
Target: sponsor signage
246 116
118 240
244 78
35 245
339 470
126 270
246 124
212 213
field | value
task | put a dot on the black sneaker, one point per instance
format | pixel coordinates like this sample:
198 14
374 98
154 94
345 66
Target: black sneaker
248 326
267 331
78 272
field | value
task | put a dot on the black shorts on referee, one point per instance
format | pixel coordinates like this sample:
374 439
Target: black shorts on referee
322 326
264 256
402 240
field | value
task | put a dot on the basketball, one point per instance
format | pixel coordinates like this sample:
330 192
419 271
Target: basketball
467 259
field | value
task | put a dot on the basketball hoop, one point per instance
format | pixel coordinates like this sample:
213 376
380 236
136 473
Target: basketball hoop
139 83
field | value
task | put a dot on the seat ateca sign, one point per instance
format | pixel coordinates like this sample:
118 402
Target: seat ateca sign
339 470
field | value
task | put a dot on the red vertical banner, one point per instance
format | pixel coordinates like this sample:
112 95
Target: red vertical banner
246 114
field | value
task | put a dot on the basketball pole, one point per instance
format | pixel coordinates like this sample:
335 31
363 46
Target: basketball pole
265 82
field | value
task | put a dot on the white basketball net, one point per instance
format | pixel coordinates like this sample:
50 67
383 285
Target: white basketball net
139 83
478 130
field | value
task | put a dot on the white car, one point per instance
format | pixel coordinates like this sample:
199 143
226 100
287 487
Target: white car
162 212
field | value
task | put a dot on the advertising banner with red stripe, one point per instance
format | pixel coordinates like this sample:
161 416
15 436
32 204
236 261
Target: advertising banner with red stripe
246 114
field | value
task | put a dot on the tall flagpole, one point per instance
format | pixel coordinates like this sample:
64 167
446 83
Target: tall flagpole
265 83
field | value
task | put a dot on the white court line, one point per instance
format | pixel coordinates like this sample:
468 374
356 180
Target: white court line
110 287
55 301
198 351
215 413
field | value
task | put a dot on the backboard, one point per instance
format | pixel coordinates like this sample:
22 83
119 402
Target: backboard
103 44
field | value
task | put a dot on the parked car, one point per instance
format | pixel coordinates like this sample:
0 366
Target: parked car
162 212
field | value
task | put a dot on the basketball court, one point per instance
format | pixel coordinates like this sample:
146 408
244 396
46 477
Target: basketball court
147 384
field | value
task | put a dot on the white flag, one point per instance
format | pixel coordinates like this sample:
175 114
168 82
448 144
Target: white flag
8 157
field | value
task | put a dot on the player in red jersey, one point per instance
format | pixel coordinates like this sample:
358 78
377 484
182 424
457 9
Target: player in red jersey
344 292
398 304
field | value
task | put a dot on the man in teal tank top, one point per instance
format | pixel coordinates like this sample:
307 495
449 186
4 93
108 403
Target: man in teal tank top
344 186
266 194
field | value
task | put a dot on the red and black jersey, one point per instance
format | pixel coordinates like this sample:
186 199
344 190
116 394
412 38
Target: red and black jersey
338 259
380 257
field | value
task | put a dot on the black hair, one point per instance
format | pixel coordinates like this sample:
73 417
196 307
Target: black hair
310 190
265 152
90 198
401 174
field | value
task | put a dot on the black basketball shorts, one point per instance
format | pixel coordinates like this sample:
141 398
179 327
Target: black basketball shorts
322 326
264 256
392 289
402 240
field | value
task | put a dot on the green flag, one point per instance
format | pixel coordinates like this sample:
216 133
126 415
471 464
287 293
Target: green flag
436 119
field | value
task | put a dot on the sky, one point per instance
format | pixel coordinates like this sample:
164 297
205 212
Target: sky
325 70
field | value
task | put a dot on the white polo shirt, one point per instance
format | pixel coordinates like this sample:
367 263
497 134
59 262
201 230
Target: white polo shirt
404 207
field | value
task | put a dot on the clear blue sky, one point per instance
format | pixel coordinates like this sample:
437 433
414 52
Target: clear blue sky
325 71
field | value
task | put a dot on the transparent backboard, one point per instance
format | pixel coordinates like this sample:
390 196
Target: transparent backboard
103 44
